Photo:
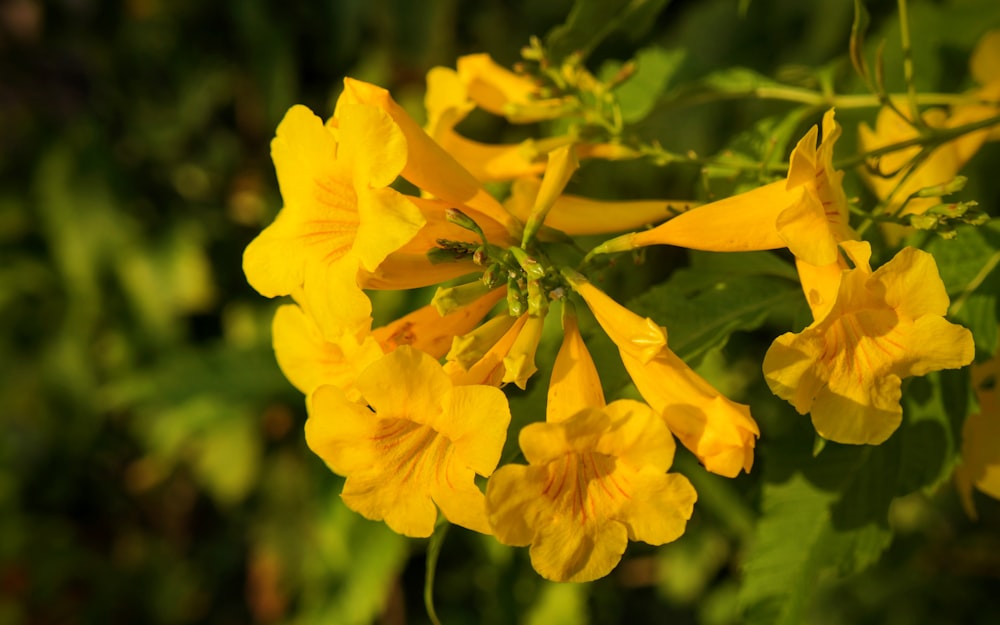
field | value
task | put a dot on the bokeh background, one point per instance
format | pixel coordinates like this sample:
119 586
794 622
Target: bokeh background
152 463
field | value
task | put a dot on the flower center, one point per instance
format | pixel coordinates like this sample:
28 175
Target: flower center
863 345
586 486
410 451
334 225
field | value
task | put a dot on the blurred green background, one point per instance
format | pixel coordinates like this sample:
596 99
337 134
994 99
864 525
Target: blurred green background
152 463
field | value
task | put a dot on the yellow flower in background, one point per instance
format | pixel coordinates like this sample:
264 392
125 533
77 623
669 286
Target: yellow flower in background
339 215
984 65
807 212
896 182
594 481
448 103
415 447
980 466
719 432
846 368
499 91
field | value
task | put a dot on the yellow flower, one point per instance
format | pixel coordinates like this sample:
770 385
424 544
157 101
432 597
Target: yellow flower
519 363
807 212
490 369
985 69
409 267
309 360
430 332
339 215
846 368
415 448
575 384
718 431
575 215
447 103
594 481
428 166
500 91
896 182
980 467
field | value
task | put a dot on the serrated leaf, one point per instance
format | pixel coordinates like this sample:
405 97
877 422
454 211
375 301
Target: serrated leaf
935 407
820 515
701 308
592 21
967 266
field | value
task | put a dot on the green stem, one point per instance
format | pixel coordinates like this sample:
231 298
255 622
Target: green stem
826 100
986 270
433 552
911 87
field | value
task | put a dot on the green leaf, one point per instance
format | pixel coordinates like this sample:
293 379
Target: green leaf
592 21
967 266
935 407
654 67
820 516
703 305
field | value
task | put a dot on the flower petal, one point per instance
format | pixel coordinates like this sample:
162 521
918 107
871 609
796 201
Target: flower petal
513 502
406 384
425 329
428 166
308 360
639 336
912 284
563 550
858 414
936 344
720 432
475 420
459 499
637 436
743 222
334 428
659 508
373 143
389 220
575 215
575 383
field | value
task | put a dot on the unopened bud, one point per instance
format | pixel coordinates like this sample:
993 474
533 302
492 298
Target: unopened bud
954 186
447 299
531 267
538 301
516 301
462 220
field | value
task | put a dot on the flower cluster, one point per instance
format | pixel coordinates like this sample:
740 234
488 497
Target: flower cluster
410 413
